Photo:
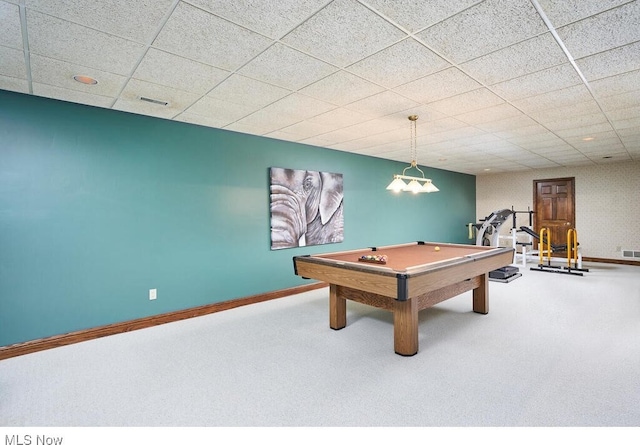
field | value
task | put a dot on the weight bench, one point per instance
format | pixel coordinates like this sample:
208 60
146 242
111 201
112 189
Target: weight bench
555 248
534 235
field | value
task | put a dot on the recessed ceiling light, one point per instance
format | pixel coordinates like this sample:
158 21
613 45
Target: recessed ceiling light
607 157
487 169
442 159
588 138
85 79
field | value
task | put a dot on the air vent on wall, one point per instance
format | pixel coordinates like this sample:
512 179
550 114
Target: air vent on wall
631 254
154 101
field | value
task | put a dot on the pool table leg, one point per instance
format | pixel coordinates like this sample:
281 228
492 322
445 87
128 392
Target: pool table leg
337 309
481 295
405 327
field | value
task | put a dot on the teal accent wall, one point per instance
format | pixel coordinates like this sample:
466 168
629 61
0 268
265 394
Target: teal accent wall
99 206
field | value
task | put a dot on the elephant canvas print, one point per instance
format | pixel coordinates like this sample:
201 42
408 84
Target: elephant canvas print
306 208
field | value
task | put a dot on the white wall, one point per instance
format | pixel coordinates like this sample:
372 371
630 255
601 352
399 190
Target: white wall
607 203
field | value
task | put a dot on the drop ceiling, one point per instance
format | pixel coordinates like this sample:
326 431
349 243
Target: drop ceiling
498 85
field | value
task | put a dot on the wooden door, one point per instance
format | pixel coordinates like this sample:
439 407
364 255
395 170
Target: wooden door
555 208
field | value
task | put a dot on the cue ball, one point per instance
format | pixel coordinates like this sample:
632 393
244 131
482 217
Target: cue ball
437 248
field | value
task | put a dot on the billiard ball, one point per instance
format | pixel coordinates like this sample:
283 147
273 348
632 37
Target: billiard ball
437 248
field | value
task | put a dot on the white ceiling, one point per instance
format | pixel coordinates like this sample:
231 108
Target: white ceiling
499 85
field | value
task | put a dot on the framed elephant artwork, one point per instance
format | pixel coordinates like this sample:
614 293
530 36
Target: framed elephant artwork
306 208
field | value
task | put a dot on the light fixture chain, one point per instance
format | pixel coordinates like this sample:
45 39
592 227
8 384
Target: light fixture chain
398 184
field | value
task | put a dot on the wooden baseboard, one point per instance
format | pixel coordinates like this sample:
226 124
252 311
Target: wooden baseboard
146 322
611 261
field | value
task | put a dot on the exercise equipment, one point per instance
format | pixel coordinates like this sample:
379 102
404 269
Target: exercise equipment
488 230
488 234
546 247
554 248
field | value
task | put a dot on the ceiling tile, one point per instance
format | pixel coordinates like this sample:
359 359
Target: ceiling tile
324 35
381 125
547 102
298 106
272 19
177 100
508 125
344 74
539 163
600 139
283 113
243 90
305 129
440 125
12 63
415 15
522 58
611 157
527 134
509 22
75 96
491 114
454 134
205 121
550 79
620 101
286 67
262 123
13 84
563 12
332 137
612 62
581 107
551 148
11 34
496 146
571 121
201 36
145 109
138 21
401 63
583 132
466 102
60 74
381 104
610 29
632 123
614 85
222 112
341 88
59 39
258 126
625 113
437 86
178 72
339 118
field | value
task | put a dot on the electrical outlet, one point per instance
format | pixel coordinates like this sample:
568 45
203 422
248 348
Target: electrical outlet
153 294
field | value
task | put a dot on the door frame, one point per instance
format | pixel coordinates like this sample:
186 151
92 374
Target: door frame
572 201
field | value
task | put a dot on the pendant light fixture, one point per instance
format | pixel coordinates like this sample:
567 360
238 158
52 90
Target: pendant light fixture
414 185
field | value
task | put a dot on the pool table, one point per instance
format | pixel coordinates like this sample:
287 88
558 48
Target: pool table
415 276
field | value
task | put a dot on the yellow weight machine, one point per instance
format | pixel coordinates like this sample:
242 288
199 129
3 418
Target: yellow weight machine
545 247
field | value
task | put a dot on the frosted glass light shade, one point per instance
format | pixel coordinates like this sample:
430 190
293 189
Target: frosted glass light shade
397 185
429 187
413 187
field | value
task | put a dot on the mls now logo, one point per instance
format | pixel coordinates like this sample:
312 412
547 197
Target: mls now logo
27 439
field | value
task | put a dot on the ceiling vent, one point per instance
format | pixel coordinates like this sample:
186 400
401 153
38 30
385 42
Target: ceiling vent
154 101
